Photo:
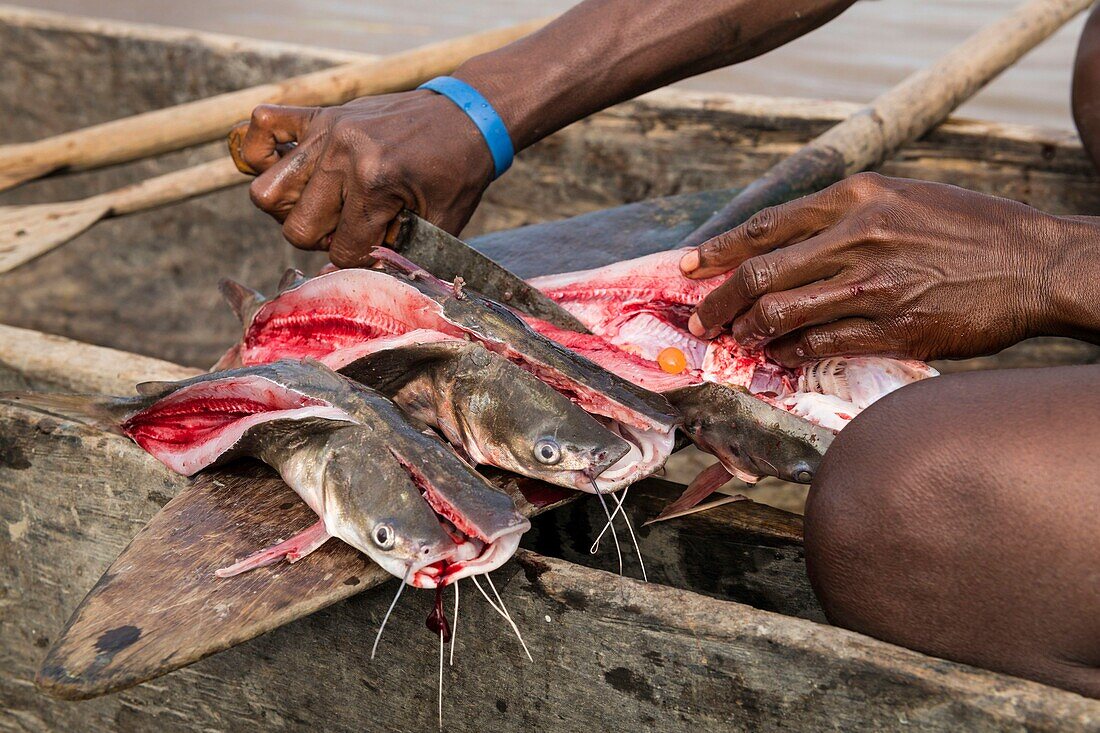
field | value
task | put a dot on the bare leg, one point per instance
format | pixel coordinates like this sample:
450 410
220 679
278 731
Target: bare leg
961 517
293 550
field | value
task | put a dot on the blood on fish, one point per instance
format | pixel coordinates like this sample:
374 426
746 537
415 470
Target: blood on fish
437 619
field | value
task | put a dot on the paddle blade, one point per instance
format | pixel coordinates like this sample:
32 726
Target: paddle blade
160 606
31 231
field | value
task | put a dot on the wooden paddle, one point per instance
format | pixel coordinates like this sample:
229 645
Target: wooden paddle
196 122
904 113
27 232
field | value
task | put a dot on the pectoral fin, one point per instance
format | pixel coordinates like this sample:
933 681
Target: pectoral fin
291 550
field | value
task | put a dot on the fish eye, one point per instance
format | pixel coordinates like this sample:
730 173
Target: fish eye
384 537
547 452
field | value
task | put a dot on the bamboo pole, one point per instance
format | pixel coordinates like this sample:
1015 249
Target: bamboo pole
900 115
196 122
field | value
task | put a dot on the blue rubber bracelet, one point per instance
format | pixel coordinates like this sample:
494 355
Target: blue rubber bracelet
478 109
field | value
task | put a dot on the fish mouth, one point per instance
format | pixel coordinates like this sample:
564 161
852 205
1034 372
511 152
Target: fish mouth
475 550
649 449
472 557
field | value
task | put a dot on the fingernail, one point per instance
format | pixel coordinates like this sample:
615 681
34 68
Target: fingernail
690 261
696 326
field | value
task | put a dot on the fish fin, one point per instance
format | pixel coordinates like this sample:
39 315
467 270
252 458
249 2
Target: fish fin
721 501
231 359
708 481
292 278
396 264
104 413
391 369
155 388
242 299
291 550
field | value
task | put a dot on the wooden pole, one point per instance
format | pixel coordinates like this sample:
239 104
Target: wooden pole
904 113
196 122
27 232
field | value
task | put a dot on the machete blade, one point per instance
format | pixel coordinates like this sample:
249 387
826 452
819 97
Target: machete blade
448 257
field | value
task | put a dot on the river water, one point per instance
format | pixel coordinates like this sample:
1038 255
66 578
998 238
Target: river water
870 47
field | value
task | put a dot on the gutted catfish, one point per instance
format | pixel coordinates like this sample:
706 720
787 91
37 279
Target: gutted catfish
340 316
638 310
375 481
495 412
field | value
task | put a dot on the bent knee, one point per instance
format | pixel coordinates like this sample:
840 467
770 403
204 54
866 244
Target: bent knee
928 528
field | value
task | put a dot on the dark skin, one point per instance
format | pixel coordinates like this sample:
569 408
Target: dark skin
874 265
955 516
958 517
357 165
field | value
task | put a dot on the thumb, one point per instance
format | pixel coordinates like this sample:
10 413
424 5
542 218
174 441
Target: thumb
269 131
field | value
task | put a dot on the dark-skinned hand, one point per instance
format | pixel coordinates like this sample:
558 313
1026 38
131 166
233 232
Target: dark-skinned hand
874 265
355 166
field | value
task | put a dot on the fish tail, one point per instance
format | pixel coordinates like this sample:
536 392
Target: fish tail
105 413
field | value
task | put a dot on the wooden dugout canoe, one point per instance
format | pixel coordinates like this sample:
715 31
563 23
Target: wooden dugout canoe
731 639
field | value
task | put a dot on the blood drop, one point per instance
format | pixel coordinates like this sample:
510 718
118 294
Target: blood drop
672 360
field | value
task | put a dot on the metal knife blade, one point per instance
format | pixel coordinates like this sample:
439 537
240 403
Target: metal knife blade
448 257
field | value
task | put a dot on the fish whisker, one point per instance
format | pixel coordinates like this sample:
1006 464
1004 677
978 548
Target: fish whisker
441 677
454 627
614 535
630 529
503 614
489 580
596 544
386 618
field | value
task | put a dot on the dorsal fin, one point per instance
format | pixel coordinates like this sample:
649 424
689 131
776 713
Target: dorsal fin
292 278
154 388
243 300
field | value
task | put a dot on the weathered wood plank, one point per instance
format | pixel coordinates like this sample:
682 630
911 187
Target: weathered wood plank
614 654
745 552
612 651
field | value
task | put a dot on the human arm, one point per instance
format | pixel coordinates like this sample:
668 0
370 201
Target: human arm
900 267
356 165
1086 87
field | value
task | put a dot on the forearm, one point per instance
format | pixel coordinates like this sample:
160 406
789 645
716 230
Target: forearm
606 51
1072 302
1086 87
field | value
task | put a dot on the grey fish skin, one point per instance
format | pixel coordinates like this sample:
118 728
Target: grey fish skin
500 414
497 324
389 441
484 508
357 487
340 469
747 433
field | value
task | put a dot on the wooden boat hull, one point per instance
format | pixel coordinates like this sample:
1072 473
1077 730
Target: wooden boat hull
610 654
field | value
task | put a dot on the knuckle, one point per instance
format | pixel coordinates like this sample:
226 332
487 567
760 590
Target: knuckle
753 277
263 195
865 185
814 344
770 314
762 225
346 132
264 116
874 225
297 233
